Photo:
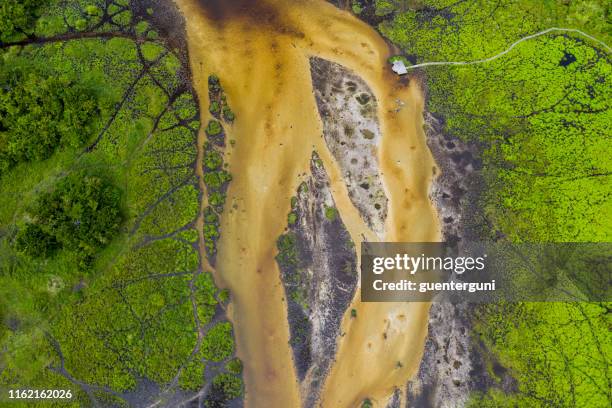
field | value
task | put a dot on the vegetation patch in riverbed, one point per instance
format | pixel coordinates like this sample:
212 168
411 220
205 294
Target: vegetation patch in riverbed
215 178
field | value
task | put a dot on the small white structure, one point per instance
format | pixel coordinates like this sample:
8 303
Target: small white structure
399 67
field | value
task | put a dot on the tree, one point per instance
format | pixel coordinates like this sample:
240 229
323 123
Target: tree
18 17
39 114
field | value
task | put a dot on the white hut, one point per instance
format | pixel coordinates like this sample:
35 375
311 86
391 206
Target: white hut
399 67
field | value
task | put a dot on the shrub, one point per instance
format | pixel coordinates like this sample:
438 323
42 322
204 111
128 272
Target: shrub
35 242
214 108
234 366
331 213
228 115
292 218
216 199
216 179
213 160
287 250
213 83
214 128
218 343
210 217
229 385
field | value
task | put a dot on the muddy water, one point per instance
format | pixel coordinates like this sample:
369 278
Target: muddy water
260 50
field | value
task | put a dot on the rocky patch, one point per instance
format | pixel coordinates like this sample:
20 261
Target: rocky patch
348 111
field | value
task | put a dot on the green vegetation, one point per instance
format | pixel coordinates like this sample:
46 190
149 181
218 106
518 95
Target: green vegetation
291 218
98 145
218 344
353 313
214 108
541 112
331 213
41 113
214 128
216 200
228 114
18 17
81 214
556 350
215 179
287 250
35 242
219 107
229 385
540 115
366 403
384 7
213 160
234 366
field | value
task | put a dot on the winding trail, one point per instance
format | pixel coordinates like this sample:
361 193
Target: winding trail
507 50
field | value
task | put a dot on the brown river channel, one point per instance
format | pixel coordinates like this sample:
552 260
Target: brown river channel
260 50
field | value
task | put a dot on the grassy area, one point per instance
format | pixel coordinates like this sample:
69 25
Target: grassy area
540 115
142 308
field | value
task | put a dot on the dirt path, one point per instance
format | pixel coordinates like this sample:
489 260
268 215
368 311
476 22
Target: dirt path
514 44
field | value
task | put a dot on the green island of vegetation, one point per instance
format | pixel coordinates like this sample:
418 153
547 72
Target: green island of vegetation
216 178
540 116
102 288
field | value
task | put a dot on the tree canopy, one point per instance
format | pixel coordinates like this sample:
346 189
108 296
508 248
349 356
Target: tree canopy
82 214
39 114
18 17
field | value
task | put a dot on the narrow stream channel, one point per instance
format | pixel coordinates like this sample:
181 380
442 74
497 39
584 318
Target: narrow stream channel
260 50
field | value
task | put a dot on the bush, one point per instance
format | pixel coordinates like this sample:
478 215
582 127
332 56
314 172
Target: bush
229 385
331 213
213 83
35 242
228 114
217 179
210 217
216 199
234 366
214 128
292 218
214 108
287 250
213 160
